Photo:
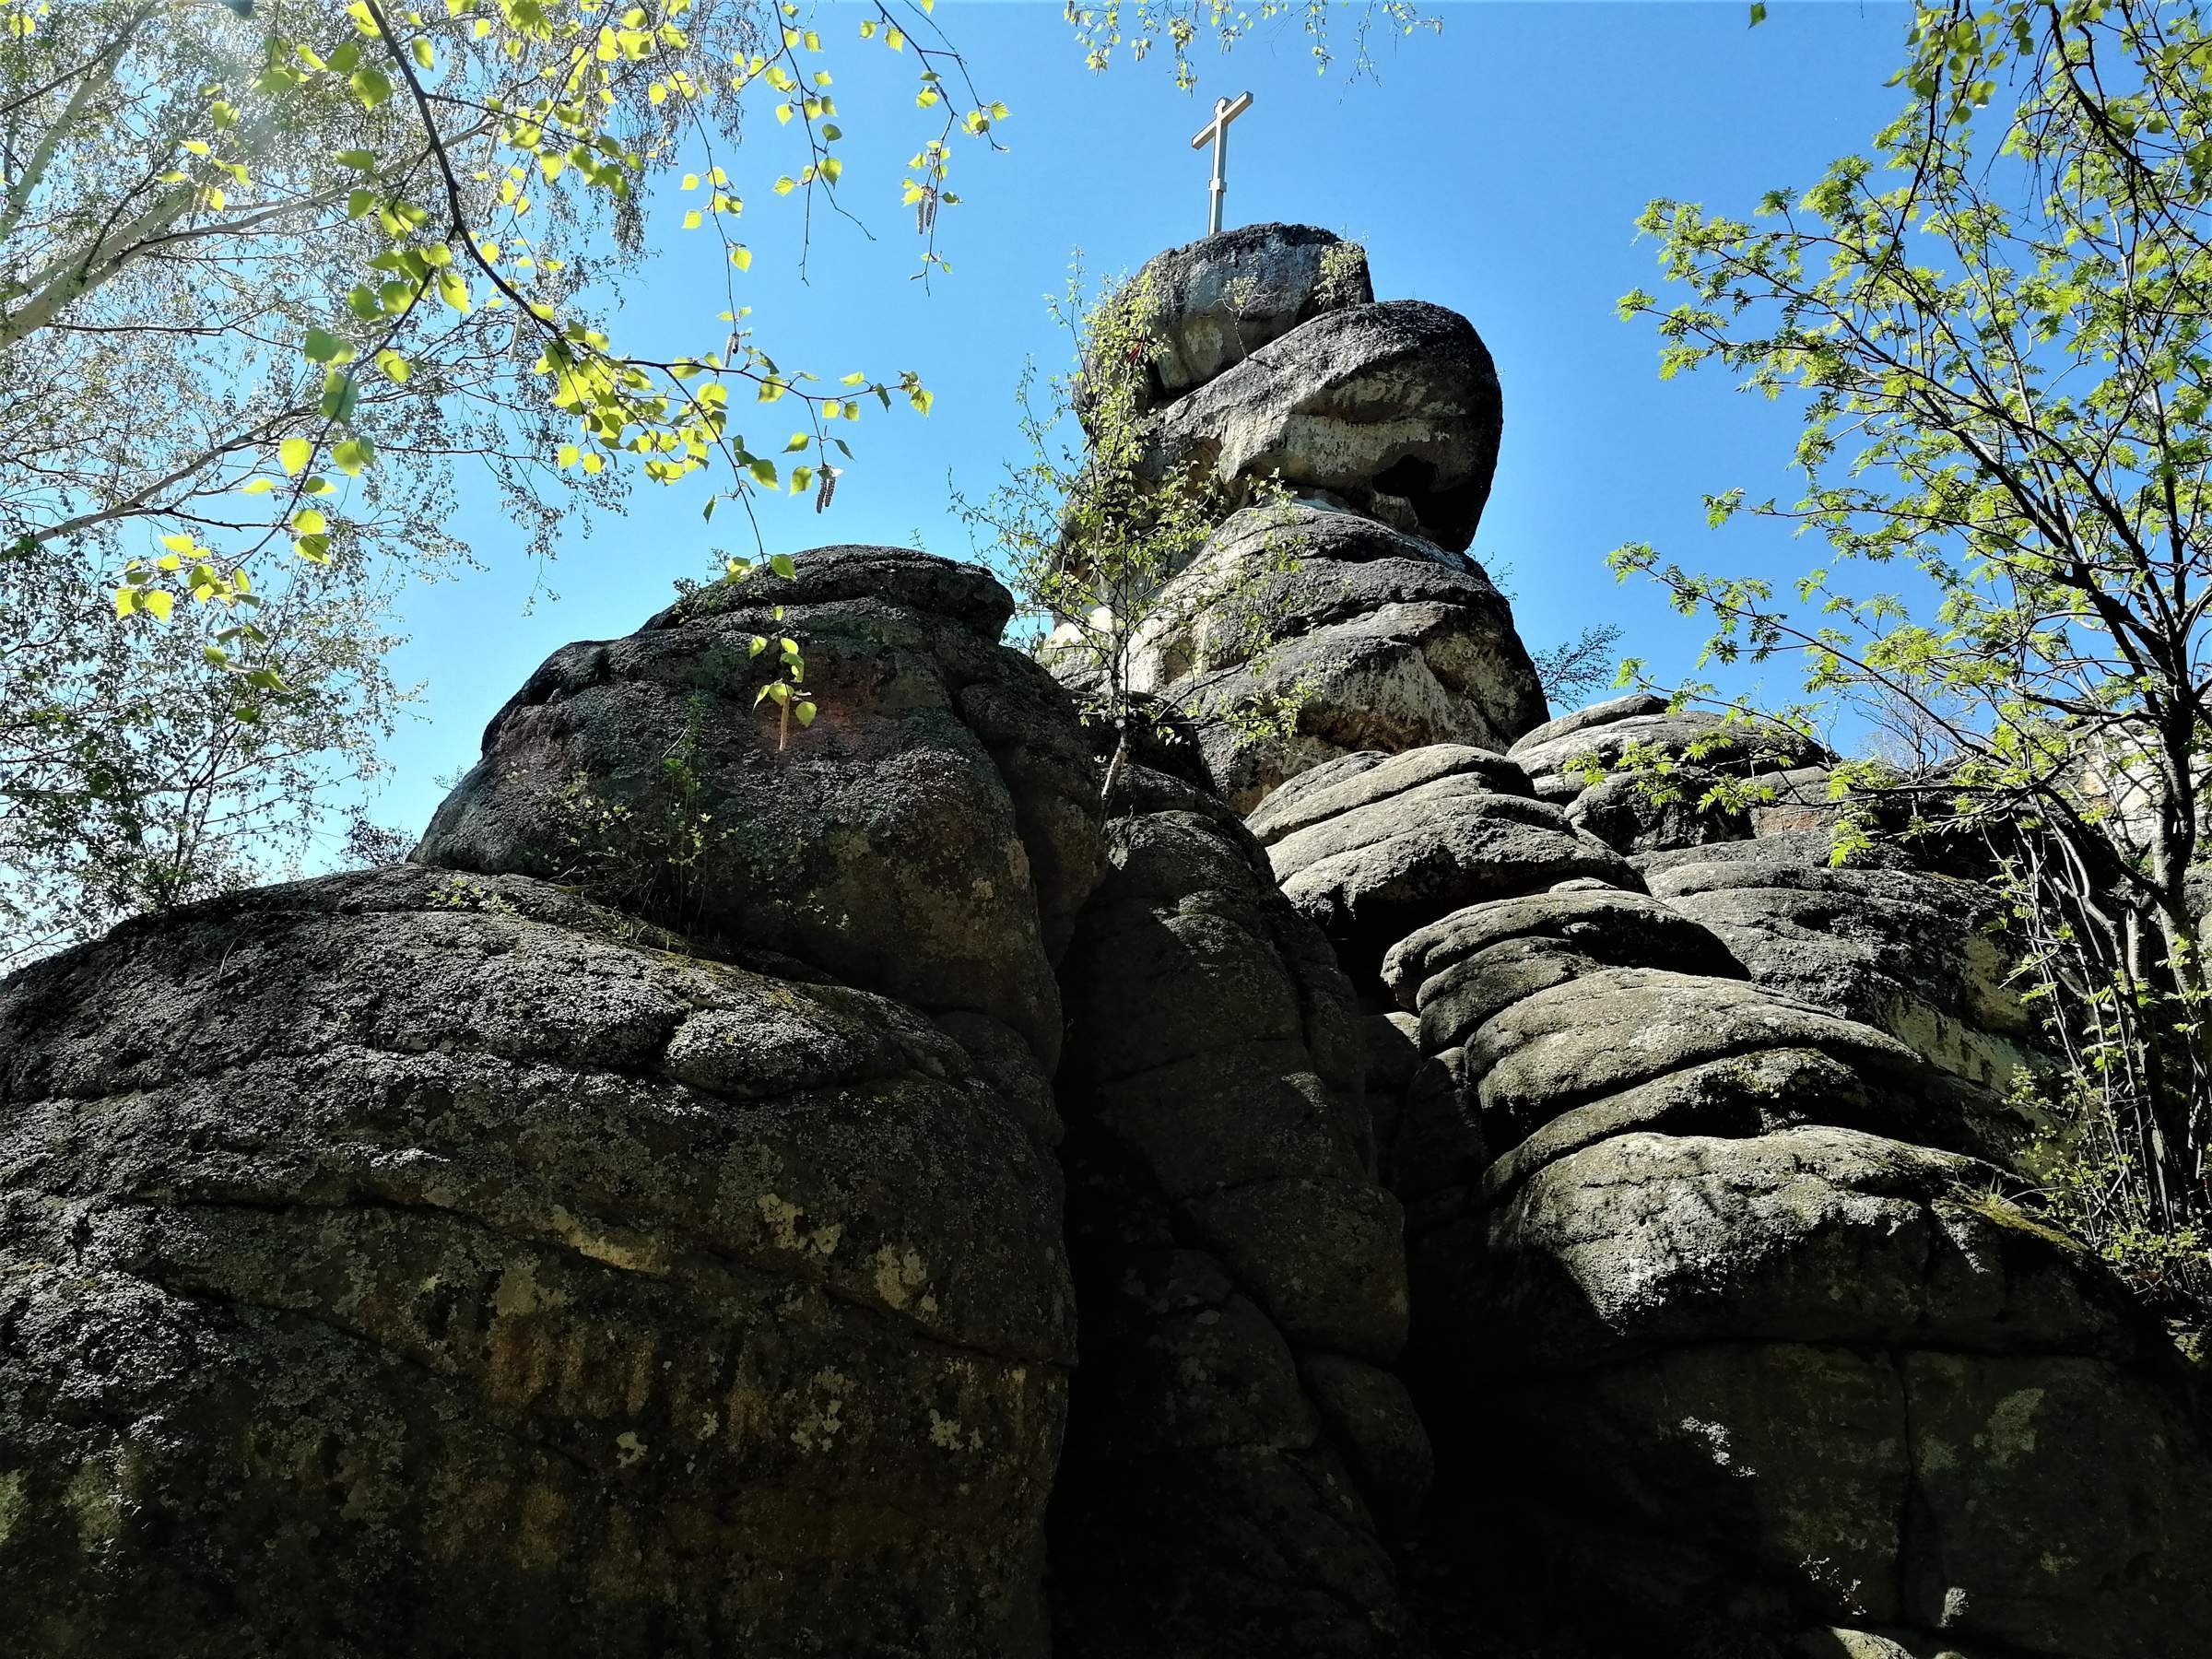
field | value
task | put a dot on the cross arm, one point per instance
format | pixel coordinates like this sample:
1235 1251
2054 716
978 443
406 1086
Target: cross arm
1225 112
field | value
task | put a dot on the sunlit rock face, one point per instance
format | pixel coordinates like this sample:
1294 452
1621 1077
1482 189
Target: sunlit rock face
1724 1326
633 1228
1373 638
1214 302
1392 409
1723 1320
1339 612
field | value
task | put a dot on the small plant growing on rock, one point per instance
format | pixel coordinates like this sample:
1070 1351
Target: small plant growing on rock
786 685
787 691
1343 263
642 846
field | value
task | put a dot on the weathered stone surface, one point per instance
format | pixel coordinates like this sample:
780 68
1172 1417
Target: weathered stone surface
2062 1506
1801 798
1615 1027
1748 1095
929 836
1372 1416
1373 776
1636 809
1225 1227
1377 639
1582 720
1930 1495
1813 1234
1219 299
1620 929
1391 410
1919 955
1744 747
1834 1644
421 1263
1373 872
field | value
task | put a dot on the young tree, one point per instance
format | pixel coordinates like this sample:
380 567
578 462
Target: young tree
132 777
1098 550
1994 329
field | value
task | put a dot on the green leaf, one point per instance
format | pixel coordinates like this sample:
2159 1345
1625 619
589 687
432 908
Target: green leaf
360 161
454 289
295 453
322 347
340 394
1758 13
784 566
158 601
393 367
350 455
372 87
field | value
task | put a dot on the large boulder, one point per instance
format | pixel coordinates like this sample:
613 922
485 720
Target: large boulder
1302 632
1390 409
1238 1433
1641 735
930 835
1697 1264
414 1261
1926 957
1214 302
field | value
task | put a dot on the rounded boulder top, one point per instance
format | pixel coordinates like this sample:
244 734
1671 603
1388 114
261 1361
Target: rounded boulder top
1213 302
850 571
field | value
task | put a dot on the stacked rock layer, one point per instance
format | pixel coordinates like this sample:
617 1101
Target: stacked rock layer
1729 1332
1349 598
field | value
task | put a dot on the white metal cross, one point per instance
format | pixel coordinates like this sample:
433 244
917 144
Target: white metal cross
1225 110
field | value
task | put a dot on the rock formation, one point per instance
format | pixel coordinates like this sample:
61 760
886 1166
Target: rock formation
1730 1334
432 1260
1405 1188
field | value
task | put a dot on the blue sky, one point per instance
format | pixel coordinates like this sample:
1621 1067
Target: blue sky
1497 169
